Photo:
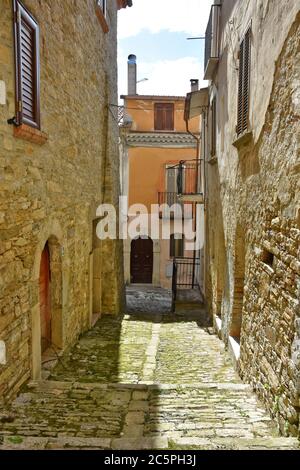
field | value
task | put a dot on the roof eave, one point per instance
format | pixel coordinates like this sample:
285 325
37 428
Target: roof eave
124 4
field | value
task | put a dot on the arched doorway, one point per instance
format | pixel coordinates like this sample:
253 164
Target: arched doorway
239 281
141 261
47 319
45 300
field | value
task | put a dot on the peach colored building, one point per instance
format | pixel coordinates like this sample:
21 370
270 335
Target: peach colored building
157 141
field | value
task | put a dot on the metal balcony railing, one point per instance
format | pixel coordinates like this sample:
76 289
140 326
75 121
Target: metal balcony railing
212 42
171 206
169 198
185 275
188 177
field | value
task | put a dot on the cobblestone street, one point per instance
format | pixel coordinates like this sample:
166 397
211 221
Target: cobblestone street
148 380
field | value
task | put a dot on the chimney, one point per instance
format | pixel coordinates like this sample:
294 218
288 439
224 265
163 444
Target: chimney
132 74
194 84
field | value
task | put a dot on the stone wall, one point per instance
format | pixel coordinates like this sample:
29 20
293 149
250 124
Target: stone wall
253 208
271 295
51 191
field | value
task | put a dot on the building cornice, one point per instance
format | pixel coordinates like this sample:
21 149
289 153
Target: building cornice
153 97
161 139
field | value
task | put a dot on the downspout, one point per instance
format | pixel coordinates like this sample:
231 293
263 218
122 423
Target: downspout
204 134
198 140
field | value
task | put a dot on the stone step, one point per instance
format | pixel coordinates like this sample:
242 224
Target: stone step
52 409
48 385
44 443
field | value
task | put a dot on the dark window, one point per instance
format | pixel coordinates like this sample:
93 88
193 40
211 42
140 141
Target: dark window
268 258
26 33
164 116
244 84
102 4
176 246
213 127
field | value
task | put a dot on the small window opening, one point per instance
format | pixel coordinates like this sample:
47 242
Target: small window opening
268 258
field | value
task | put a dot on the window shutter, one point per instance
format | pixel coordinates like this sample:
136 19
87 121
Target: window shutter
244 84
176 246
169 113
213 127
172 246
102 4
158 118
164 116
27 67
246 79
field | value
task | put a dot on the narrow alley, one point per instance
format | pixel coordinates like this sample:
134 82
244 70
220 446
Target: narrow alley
149 227
145 381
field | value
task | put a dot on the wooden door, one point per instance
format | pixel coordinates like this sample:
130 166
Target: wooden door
141 265
45 301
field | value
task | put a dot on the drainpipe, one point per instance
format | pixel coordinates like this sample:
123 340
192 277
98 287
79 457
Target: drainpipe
198 140
204 134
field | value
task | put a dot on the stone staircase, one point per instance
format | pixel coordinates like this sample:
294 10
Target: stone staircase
75 415
144 381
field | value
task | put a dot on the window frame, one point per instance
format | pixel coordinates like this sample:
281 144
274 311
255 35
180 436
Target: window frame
244 83
101 13
174 243
213 136
156 120
103 8
21 12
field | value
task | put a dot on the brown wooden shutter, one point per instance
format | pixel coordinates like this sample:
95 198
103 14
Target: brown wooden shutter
244 84
169 113
158 118
172 246
176 246
27 67
102 4
213 127
164 116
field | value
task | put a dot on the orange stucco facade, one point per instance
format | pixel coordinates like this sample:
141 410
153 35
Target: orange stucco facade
142 112
147 174
149 152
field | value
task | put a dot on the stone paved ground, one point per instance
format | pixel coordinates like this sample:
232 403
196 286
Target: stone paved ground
148 300
149 380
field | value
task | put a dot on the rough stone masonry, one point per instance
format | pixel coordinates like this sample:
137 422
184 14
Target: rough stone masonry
51 184
254 207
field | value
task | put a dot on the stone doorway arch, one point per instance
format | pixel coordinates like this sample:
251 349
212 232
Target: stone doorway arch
239 282
47 312
45 299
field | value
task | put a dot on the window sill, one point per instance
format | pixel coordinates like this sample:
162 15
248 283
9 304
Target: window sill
243 139
30 134
102 20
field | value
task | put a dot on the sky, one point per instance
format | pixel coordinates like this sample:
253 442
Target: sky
156 32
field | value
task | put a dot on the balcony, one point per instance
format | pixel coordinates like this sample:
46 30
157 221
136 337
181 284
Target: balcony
212 43
189 181
172 207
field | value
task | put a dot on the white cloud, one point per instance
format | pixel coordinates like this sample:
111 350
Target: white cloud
166 77
188 16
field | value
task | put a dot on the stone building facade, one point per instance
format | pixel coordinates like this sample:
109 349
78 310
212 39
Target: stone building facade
53 177
154 144
251 140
